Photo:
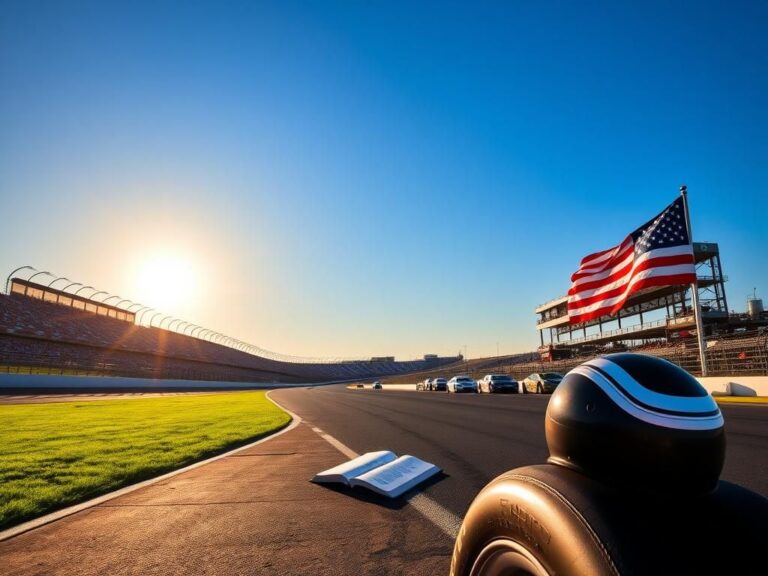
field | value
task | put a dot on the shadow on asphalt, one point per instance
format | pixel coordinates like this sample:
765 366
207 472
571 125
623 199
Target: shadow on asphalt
365 495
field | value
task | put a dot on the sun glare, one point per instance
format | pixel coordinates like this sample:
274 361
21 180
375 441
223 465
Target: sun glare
167 282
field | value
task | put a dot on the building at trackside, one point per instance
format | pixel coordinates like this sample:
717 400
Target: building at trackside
653 314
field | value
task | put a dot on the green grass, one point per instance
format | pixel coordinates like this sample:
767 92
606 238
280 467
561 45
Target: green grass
55 455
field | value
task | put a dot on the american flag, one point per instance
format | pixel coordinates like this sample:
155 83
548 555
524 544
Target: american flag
659 253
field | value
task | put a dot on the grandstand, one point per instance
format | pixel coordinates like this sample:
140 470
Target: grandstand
662 315
740 353
658 321
48 330
57 331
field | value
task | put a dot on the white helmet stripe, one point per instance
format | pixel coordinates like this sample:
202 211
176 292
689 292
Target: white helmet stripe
691 404
656 418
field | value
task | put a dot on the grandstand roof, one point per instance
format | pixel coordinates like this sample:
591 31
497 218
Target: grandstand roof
43 292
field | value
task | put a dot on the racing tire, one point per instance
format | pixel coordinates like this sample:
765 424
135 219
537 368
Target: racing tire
539 389
546 520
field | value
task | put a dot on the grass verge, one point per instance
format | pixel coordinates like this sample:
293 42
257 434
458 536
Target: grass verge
56 455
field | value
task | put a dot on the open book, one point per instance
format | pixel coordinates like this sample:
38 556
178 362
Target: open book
382 472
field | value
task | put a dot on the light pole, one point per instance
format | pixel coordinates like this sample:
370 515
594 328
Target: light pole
52 282
38 274
92 296
141 312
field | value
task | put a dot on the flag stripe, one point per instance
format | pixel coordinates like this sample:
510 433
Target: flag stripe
596 256
620 286
632 286
659 253
646 283
619 270
620 278
620 251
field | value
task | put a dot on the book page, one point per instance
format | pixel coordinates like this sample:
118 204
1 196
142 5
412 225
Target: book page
396 477
345 472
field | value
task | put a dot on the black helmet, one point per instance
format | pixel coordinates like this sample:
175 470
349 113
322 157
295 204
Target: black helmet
639 421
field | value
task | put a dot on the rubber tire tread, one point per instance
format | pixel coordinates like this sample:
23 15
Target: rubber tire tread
576 526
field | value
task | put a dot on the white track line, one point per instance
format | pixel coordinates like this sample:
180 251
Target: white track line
441 517
343 448
444 519
52 517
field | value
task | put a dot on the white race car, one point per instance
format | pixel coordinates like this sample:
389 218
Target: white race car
462 384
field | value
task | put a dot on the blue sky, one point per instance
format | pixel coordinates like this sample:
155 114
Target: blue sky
355 178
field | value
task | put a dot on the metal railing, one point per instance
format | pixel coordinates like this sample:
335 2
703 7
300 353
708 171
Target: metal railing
618 331
736 354
732 355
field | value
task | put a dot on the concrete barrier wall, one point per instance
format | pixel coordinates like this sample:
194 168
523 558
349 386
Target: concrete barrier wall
400 386
736 385
731 385
728 385
52 382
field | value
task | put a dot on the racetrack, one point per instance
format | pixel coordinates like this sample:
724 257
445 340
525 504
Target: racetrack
256 512
474 438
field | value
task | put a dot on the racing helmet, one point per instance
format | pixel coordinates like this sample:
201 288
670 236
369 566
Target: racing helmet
637 421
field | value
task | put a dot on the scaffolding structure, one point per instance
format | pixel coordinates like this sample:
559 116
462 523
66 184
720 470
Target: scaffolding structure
657 313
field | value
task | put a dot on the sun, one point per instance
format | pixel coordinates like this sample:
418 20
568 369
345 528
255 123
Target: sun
167 282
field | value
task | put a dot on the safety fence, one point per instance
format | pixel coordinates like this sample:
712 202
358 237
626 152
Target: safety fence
744 354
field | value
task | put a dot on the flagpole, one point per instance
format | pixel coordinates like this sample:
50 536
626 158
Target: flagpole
695 288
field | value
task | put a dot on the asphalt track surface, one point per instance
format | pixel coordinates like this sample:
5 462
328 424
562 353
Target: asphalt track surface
476 437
